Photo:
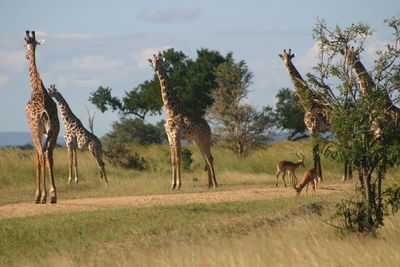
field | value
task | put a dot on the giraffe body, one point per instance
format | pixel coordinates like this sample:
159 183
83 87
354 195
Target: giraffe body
77 137
41 112
181 125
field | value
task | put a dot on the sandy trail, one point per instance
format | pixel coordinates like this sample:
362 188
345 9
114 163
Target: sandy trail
85 204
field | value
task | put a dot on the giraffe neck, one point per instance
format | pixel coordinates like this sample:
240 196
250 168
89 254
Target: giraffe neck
171 103
34 77
67 115
366 82
364 79
303 92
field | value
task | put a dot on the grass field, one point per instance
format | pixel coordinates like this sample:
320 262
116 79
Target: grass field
279 232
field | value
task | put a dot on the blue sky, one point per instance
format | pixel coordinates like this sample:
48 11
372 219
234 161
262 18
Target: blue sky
92 43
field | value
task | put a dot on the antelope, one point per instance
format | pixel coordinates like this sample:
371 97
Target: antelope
289 167
310 176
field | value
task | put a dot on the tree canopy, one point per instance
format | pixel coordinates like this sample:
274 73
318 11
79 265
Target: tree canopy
192 80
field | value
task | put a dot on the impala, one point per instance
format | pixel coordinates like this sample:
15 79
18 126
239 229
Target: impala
289 167
310 176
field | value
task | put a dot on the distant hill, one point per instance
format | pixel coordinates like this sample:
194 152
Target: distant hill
20 139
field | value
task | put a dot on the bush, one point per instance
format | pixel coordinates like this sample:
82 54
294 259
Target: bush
186 158
119 155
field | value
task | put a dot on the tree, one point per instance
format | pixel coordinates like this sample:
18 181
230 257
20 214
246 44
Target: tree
135 131
365 122
192 80
289 114
238 126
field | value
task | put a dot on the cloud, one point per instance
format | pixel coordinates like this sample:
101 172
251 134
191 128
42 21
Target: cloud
308 60
96 63
13 60
82 36
144 54
76 80
169 15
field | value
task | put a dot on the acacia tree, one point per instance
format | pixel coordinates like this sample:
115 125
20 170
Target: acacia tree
366 129
192 80
237 126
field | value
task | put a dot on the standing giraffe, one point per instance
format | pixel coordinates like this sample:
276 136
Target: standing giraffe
180 125
41 112
76 136
316 115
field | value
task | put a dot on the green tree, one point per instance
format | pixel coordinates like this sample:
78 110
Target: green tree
136 131
289 114
364 122
192 80
238 126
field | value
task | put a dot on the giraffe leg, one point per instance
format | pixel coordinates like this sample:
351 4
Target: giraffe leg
178 163
43 197
70 163
53 193
206 151
96 152
75 163
38 192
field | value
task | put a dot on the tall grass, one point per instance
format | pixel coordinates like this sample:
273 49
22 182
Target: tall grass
17 171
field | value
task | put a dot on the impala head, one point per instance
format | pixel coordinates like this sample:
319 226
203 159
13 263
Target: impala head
301 159
156 61
287 56
31 42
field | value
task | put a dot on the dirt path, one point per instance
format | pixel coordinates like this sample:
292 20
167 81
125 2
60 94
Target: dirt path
84 204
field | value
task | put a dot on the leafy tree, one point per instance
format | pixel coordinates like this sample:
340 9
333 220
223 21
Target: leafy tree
366 132
289 114
136 131
192 80
238 126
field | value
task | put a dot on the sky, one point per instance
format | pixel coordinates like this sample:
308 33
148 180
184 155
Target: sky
106 43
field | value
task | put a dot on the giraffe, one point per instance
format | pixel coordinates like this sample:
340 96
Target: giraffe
76 136
181 125
366 83
316 117
41 112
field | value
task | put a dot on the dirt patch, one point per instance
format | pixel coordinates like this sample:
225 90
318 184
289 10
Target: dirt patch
85 204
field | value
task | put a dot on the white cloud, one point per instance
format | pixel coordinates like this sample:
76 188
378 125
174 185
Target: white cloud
13 60
143 55
82 36
96 63
307 61
169 15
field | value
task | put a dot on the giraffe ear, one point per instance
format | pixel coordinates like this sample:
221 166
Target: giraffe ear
280 55
40 42
163 59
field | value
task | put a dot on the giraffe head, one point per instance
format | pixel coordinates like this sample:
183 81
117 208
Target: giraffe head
31 42
351 55
156 61
287 56
53 91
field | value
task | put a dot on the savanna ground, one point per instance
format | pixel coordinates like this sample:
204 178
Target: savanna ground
137 221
